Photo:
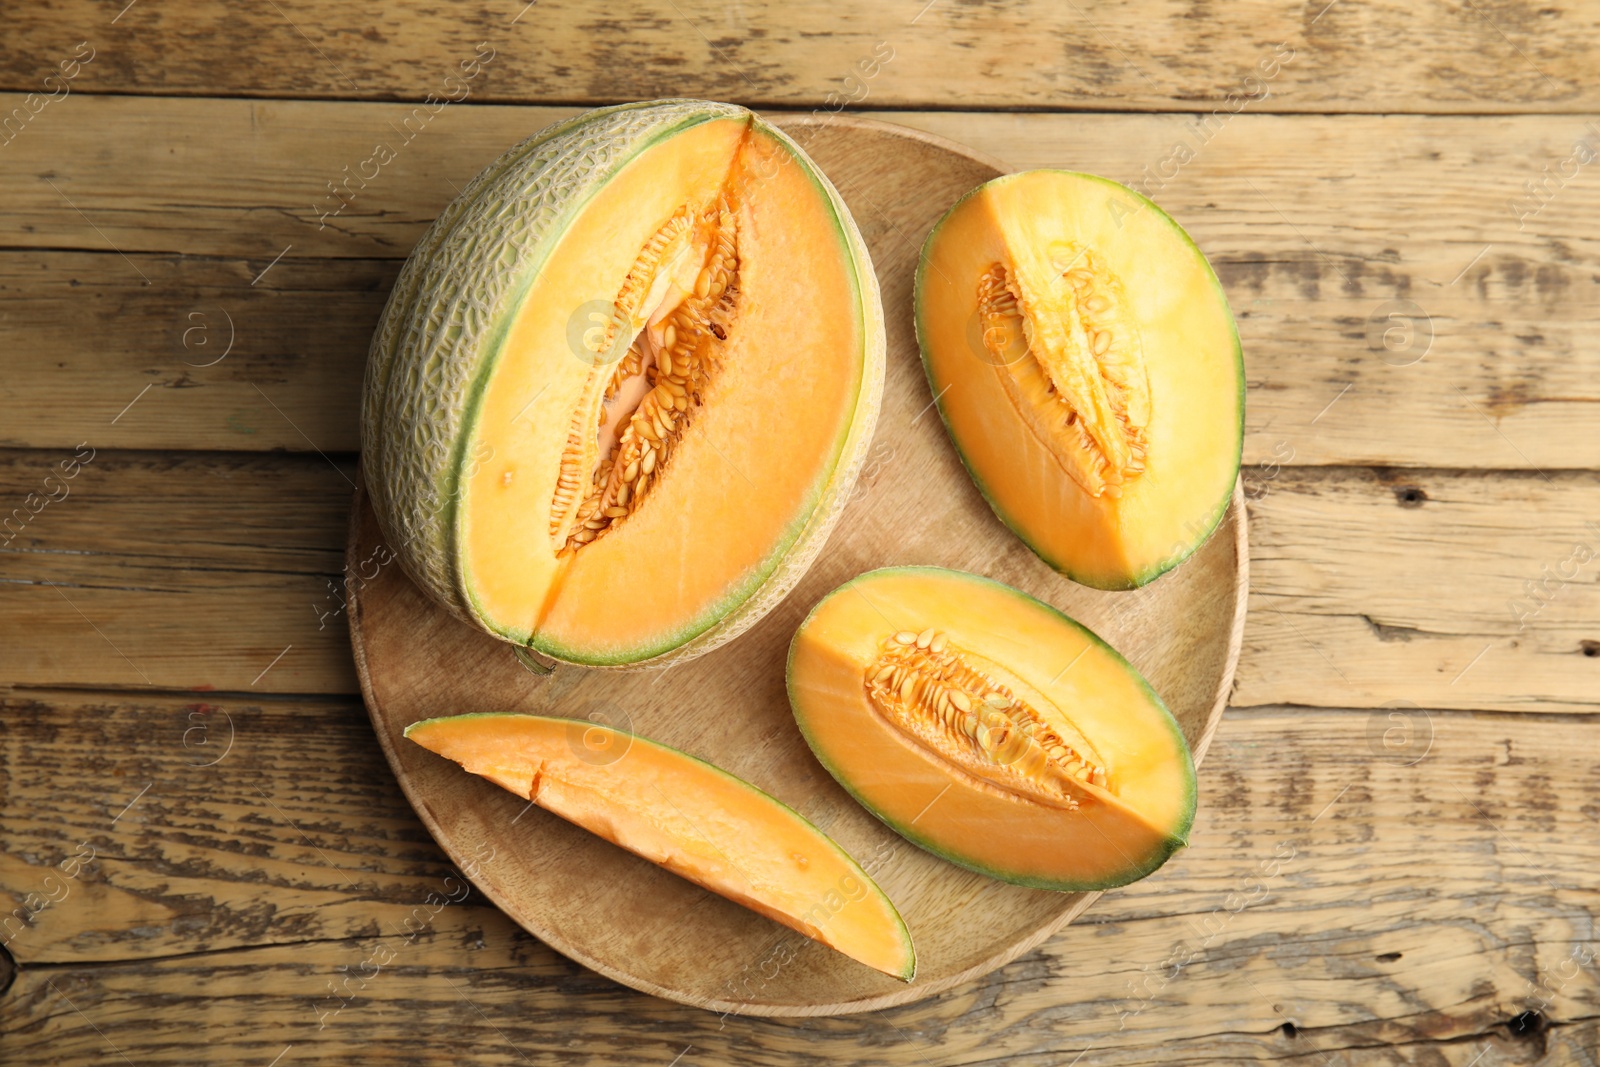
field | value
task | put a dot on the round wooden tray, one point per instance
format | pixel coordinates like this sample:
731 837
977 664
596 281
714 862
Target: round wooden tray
653 931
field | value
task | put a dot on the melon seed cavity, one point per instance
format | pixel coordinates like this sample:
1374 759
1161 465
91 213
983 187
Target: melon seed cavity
949 701
1083 388
680 299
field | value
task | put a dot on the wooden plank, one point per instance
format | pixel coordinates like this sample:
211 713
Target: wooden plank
279 892
1367 587
1154 55
293 375
200 358
1439 588
514 1005
181 571
1492 361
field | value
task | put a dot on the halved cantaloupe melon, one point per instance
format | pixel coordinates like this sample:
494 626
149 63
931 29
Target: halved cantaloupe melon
991 729
694 819
1087 367
623 383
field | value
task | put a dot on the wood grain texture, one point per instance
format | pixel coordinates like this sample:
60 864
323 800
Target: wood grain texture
145 571
234 906
1320 228
1152 55
260 885
202 567
1489 595
227 361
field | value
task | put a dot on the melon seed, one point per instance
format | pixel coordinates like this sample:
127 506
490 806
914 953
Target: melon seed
925 638
906 637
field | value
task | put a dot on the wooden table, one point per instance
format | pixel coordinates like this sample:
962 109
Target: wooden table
1396 855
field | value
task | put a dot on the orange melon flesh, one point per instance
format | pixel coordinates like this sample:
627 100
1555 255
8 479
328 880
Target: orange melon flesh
1131 534
750 470
1115 834
682 813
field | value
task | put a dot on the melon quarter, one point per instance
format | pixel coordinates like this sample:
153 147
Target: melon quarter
1088 370
991 729
624 383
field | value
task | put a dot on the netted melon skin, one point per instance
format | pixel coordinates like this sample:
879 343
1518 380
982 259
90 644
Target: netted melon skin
441 328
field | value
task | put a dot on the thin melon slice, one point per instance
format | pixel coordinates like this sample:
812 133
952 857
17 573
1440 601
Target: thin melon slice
991 729
1088 370
696 820
623 383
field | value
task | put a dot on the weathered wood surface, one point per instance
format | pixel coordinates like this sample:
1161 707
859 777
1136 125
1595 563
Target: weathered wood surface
1322 228
1329 886
1155 55
1438 913
197 570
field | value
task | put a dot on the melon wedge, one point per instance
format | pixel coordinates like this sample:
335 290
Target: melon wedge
991 729
623 384
1087 367
696 820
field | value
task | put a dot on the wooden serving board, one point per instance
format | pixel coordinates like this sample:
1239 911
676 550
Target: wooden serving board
653 931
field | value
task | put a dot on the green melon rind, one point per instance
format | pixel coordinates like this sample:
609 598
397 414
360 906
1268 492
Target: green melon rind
1209 523
907 973
434 347
1177 838
763 588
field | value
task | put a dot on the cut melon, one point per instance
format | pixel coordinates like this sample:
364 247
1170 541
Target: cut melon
1088 370
623 384
991 729
697 821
